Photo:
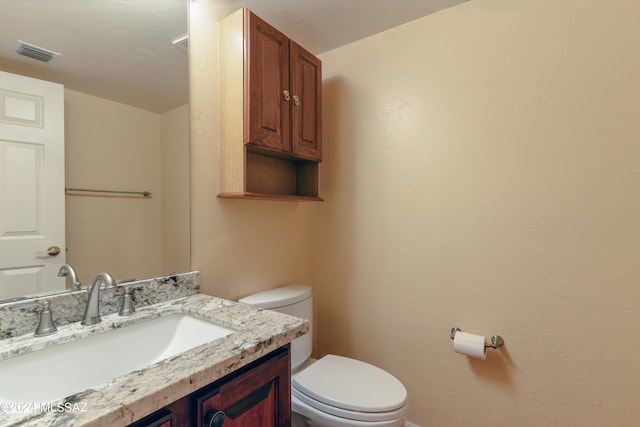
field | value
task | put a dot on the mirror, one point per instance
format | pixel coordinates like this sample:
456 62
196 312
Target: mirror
124 66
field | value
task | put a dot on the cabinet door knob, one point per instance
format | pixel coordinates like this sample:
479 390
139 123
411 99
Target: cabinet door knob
217 419
287 97
296 100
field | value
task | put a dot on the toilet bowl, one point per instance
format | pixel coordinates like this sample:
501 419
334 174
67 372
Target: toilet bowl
334 391
339 391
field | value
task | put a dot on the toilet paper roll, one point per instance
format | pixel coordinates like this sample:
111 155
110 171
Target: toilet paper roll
469 344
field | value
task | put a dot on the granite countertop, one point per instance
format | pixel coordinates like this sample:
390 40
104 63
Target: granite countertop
128 398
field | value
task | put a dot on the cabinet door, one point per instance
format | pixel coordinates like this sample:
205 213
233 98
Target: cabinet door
261 397
306 108
162 418
267 92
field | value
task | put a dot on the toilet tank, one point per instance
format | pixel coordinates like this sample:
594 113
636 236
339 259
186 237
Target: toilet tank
295 300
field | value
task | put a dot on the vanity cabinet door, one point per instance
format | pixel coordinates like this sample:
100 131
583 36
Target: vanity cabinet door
162 418
260 397
177 414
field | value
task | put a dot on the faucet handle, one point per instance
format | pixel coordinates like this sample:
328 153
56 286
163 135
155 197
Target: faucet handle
127 307
46 326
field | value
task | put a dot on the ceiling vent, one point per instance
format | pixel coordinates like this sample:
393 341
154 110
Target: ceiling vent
182 43
35 52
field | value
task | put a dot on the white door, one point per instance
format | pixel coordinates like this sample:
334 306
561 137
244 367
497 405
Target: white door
31 185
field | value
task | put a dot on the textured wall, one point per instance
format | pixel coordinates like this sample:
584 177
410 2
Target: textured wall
481 171
176 248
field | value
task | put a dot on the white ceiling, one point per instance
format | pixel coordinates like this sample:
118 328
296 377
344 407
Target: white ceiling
322 25
122 49
115 49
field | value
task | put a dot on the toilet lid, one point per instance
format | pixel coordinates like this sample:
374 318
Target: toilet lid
351 385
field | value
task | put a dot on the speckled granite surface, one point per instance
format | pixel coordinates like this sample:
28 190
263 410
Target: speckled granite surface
130 397
21 317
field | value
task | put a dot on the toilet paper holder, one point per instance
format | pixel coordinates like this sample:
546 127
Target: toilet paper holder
495 342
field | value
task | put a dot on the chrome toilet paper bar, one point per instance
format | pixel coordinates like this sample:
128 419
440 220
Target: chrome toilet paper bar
496 340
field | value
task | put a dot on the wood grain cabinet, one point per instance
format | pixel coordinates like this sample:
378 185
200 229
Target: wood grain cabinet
270 112
258 395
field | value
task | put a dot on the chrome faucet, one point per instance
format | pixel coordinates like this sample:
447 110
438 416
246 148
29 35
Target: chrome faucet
67 271
92 309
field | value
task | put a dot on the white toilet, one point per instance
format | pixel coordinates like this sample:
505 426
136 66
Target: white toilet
333 391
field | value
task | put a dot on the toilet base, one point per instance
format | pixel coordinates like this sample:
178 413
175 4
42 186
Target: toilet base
298 420
304 416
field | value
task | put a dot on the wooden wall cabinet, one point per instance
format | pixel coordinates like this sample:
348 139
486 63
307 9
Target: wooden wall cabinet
270 124
258 395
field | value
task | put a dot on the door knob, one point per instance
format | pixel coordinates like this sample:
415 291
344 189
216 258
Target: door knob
53 250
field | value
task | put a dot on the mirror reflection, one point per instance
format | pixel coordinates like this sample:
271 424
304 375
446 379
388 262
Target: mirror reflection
123 66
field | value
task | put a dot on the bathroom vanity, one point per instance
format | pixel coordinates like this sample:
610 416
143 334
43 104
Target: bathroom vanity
243 376
257 395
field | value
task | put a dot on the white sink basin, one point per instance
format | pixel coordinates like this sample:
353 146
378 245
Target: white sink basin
54 373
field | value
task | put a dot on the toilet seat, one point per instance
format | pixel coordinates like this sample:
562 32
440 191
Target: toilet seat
351 389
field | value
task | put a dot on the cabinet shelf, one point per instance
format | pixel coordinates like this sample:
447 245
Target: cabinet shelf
267 196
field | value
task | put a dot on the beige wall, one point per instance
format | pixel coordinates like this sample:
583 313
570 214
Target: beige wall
239 246
117 147
175 190
482 171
